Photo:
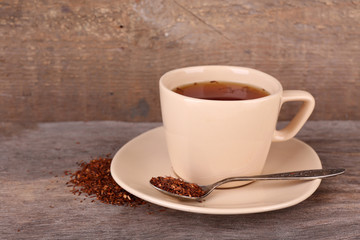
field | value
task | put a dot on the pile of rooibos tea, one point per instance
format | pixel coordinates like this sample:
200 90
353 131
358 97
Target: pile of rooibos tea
177 186
94 179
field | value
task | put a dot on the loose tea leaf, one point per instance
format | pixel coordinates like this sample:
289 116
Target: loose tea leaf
177 186
94 179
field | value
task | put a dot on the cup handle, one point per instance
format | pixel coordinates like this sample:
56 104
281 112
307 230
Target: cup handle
301 116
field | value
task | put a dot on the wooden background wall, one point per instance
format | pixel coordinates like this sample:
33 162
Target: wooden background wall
101 60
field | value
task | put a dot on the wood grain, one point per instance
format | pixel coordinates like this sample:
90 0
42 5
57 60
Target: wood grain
36 204
85 60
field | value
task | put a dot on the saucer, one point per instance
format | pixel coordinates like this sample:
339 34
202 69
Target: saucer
146 156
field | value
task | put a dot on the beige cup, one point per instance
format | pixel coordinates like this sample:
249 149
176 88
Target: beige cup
209 140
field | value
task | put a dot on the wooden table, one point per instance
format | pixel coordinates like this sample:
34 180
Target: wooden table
36 204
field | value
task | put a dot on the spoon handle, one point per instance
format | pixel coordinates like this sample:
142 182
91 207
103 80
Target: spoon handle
297 175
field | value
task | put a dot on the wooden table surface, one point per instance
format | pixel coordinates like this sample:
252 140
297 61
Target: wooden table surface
36 204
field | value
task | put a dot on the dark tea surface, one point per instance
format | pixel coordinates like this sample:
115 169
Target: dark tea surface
220 90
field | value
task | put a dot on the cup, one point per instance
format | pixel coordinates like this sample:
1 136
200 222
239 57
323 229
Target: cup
208 140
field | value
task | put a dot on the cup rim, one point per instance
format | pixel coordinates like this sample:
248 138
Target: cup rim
192 68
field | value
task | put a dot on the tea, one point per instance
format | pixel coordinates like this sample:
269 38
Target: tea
219 90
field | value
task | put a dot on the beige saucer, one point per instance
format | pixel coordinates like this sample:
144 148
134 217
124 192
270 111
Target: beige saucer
146 156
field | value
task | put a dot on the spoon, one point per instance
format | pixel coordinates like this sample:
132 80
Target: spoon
298 175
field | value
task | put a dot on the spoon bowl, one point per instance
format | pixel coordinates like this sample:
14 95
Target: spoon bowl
297 175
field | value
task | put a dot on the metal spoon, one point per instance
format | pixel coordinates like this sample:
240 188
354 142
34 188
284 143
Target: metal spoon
298 175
